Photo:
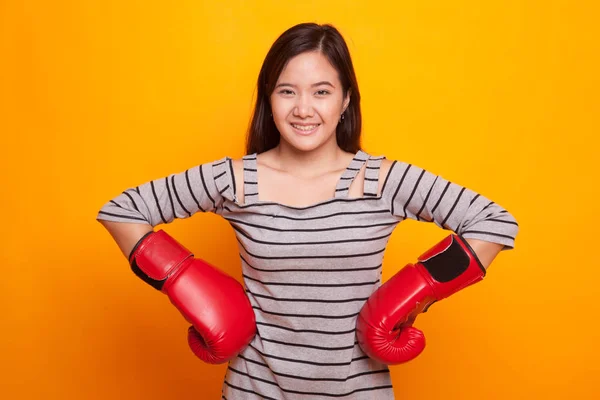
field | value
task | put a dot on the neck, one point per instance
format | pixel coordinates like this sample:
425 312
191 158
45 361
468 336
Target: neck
309 164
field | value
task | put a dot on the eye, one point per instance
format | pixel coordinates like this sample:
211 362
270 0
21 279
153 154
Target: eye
286 92
323 92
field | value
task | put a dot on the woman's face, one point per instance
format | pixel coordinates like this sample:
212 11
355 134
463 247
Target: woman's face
308 101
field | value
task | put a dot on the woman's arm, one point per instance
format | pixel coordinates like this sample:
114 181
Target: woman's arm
125 234
418 194
485 251
137 210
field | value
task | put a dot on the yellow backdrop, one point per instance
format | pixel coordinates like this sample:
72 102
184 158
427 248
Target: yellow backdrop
99 96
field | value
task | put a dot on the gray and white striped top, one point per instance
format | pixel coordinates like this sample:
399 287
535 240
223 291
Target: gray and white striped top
308 270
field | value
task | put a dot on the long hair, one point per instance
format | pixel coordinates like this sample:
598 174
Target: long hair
262 132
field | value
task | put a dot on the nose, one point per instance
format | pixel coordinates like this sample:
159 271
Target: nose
303 108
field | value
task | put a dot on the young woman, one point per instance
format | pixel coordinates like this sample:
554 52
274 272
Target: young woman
312 213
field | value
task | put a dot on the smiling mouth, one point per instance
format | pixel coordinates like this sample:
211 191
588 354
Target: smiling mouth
305 128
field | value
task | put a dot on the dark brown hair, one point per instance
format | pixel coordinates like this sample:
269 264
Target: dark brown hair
262 133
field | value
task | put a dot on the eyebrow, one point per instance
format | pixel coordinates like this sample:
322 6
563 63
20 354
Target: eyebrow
313 85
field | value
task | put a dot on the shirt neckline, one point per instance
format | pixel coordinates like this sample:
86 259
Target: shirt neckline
257 202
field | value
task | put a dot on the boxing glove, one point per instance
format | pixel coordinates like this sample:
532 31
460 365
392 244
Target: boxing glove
213 302
384 325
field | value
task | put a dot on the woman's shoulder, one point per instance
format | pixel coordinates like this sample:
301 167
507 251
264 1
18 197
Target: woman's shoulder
384 170
238 163
237 166
383 164
386 165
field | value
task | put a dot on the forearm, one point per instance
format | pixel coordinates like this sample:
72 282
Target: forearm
485 251
126 235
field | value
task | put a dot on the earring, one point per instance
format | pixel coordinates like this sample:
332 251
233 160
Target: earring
341 119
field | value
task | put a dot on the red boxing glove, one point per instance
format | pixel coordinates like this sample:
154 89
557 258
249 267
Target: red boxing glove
212 301
384 324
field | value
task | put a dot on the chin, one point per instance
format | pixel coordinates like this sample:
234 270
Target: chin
307 144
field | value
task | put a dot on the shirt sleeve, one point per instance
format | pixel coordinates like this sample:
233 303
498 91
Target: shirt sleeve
412 192
179 195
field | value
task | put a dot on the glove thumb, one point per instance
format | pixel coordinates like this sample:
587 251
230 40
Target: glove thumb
201 349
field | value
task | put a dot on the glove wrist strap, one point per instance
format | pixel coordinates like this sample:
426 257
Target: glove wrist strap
452 265
156 257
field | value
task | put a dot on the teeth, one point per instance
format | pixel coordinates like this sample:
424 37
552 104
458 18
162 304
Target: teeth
305 128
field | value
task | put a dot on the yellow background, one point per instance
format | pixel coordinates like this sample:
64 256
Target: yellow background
99 96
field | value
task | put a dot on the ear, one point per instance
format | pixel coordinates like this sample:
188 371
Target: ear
346 100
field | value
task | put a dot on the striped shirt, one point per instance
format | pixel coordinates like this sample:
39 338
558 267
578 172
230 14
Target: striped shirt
308 270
